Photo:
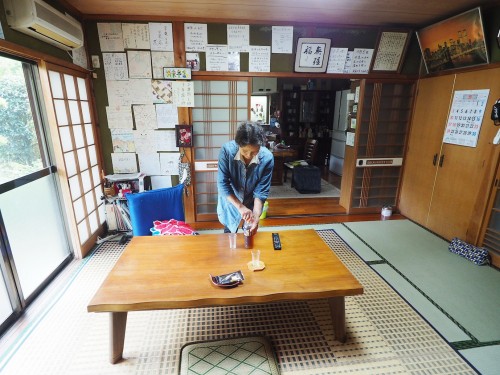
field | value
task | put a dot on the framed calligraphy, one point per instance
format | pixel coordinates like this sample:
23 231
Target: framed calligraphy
177 73
312 55
390 51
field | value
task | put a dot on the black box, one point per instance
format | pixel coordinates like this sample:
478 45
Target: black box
307 179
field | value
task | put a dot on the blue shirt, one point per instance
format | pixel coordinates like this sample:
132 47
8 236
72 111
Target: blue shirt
245 182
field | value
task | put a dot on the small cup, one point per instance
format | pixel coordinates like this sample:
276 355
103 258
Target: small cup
255 258
232 240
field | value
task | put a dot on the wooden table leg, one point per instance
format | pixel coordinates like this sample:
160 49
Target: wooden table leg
337 309
117 324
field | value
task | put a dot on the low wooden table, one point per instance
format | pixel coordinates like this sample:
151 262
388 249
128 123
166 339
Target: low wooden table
171 272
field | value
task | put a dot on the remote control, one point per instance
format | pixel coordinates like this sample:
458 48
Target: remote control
276 241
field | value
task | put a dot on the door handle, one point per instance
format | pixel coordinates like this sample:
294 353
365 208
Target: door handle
434 160
441 160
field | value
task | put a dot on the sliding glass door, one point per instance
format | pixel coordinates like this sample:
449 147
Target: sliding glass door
33 233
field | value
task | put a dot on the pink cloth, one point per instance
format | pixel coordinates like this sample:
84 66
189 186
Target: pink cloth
171 227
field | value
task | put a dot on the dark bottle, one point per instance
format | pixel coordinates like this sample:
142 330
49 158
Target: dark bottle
248 236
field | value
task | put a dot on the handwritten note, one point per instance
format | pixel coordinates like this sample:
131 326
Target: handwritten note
169 163
361 60
160 37
115 66
136 35
282 39
260 59
133 91
216 58
159 60
119 117
183 93
238 38
145 117
166 116
336 60
144 141
165 140
139 63
124 162
195 35
149 163
110 37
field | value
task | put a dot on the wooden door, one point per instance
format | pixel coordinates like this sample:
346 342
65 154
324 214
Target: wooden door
432 105
461 190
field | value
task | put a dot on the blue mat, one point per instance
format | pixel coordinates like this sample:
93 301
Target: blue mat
469 294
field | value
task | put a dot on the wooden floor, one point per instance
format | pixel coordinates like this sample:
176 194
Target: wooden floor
297 211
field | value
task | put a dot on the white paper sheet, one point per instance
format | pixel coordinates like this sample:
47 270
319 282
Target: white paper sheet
144 141
361 60
238 38
149 164
110 36
124 162
233 61
195 35
119 117
78 55
123 140
160 60
115 66
348 62
135 35
169 163
139 64
260 59
336 60
166 116
165 140
216 58
282 39
133 91
160 36
145 117
183 93
159 182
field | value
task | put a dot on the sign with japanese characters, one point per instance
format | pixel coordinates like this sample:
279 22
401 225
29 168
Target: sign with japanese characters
466 117
312 55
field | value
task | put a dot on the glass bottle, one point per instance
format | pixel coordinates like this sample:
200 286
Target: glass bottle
248 236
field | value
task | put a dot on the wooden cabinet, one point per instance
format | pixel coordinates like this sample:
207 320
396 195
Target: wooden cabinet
290 113
444 185
264 85
373 165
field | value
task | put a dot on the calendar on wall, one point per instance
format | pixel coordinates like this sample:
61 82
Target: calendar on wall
466 117
390 51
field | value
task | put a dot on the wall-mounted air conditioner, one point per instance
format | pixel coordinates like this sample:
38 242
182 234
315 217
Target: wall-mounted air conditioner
38 19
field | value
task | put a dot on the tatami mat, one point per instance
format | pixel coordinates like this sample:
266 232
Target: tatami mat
385 335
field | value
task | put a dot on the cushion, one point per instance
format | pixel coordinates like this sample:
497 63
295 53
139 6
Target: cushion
159 204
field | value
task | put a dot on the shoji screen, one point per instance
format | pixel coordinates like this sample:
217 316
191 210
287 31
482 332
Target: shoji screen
220 106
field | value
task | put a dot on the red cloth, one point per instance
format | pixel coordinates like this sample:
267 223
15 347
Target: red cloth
171 227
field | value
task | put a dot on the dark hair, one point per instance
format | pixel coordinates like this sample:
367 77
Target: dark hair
250 133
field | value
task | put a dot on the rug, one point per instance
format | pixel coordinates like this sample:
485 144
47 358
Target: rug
286 191
384 333
243 355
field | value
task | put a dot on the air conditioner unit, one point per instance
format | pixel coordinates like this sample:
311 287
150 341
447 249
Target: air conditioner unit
38 19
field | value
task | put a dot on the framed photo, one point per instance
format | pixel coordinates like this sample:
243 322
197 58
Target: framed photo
457 42
177 73
390 51
312 55
184 135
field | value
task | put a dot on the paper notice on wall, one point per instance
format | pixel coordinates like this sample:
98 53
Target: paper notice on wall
119 117
195 35
349 139
110 37
125 93
165 140
162 91
149 164
216 58
361 60
260 59
115 66
166 116
144 117
466 117
159 182
183 93
160 36
139 64
336 60
282 39
124 162
160 60
348 62
238 38
145 141
78 55
123 140
135 35
169 163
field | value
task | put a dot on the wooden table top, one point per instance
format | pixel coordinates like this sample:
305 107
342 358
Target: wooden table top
168 272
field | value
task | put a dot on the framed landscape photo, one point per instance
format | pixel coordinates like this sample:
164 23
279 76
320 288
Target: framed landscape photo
184 135
456 42
312 55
